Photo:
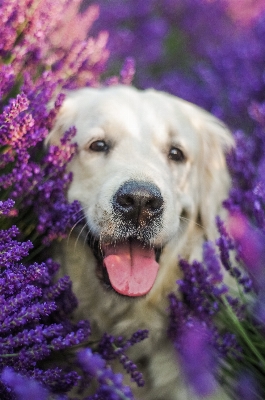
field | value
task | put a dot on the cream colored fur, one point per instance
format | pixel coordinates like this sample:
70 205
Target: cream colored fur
141 127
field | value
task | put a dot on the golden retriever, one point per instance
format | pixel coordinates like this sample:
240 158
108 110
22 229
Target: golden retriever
150 174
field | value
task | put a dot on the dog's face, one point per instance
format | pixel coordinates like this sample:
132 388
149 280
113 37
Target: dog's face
148 166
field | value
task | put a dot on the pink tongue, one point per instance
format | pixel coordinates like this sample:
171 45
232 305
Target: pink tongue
132 269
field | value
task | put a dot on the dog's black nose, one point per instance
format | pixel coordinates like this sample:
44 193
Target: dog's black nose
138 202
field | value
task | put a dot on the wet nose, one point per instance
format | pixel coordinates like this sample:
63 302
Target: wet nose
139 202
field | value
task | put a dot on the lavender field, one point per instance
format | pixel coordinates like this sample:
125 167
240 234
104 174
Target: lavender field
208 52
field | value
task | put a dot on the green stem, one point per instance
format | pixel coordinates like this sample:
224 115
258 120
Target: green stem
243 332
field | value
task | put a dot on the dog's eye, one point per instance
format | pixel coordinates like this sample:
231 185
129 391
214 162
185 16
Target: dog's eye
99 145
176 154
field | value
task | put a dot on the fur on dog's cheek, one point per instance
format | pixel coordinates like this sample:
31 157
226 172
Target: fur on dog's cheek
132 269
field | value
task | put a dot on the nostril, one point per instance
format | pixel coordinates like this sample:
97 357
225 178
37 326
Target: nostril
125 200
154 204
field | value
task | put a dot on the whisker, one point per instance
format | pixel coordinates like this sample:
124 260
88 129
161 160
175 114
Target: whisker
190 220
79 234
87 235
73 227
82 210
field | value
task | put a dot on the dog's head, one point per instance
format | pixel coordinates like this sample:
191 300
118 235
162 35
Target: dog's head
149 167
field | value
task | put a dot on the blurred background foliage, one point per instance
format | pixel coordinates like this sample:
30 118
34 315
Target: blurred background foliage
210 52
206 51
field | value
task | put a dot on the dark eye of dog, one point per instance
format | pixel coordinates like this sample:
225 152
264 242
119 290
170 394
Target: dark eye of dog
176 154
99 145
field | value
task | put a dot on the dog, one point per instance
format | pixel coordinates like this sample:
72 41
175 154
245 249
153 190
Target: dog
150 173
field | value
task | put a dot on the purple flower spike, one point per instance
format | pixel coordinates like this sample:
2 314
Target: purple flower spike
91 363
197 358
246 387
259 308
251 247
110 384
6 206
24 388
111 348
212 263
128 71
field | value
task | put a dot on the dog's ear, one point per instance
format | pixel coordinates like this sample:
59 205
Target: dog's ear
64 120
213 176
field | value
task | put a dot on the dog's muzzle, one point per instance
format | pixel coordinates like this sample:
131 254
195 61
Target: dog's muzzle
131 262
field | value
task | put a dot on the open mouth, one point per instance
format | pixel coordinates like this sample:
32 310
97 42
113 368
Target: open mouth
129 267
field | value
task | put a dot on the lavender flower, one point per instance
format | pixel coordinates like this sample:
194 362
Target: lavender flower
33 321
250 243
128 71
259 308
111 348
247 11
111 386
198 358
6 206
25 389
247 388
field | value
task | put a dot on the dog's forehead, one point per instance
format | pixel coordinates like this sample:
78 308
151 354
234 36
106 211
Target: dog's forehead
133 114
